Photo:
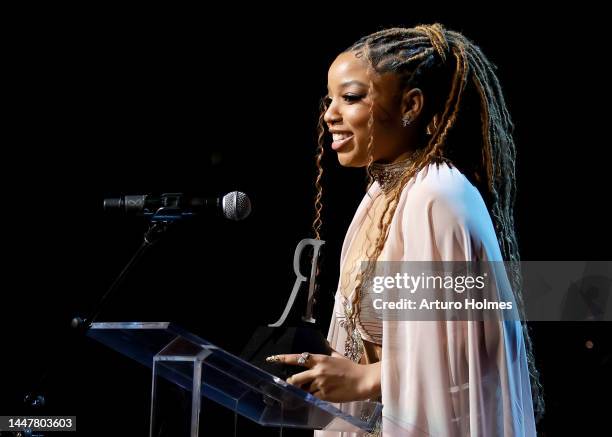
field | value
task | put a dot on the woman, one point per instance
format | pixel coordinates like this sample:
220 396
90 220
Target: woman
422 110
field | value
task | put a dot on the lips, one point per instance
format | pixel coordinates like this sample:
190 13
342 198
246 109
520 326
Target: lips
340 139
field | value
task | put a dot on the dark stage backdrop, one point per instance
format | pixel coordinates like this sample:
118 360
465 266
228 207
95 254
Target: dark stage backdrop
111 102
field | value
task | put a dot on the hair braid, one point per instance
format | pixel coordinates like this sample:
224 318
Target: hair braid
316 225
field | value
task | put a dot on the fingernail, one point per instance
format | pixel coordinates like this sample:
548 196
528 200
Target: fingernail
272 359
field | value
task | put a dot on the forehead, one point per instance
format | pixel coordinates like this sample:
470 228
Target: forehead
347 67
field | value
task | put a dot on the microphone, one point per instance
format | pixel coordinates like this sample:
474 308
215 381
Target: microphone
177 206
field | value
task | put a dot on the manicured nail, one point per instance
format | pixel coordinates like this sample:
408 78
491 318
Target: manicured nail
273 359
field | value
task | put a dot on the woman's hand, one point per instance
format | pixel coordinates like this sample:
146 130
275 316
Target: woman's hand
334 379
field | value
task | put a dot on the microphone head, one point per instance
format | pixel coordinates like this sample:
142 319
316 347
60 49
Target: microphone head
236 205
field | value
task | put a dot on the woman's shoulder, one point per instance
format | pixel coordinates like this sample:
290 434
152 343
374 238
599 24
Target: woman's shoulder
444 187
442 206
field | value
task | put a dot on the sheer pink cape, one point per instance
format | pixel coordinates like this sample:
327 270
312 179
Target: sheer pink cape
445 378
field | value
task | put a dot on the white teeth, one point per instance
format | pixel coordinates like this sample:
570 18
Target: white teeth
340 137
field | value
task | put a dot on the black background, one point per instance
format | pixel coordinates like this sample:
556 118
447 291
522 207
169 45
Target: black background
110 102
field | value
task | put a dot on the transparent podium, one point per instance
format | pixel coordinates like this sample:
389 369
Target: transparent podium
196 365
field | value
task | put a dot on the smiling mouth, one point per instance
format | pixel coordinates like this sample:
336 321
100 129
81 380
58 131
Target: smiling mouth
340 140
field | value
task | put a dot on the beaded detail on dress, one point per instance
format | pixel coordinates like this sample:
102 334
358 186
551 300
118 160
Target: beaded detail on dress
353 346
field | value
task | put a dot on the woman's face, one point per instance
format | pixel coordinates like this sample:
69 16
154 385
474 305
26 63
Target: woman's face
348 113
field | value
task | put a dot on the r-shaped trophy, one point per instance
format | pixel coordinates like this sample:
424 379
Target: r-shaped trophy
284 337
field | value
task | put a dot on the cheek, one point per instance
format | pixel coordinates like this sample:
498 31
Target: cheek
358 118
385 140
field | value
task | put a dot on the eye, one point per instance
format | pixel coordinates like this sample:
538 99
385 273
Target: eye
351 98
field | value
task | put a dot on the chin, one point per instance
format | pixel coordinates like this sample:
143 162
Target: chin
350 160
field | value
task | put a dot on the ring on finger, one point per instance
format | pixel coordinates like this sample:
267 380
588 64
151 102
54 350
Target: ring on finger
303 358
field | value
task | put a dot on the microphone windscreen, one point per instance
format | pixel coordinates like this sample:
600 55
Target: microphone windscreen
236 205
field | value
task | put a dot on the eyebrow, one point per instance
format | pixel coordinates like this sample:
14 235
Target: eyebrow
350 82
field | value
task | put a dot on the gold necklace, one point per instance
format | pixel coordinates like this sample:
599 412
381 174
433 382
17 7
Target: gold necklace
388 175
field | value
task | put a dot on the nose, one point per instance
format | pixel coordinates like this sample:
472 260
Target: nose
332 116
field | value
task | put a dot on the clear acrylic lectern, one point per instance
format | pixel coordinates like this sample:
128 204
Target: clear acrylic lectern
196 365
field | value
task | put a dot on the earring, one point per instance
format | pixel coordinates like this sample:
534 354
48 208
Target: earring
406 121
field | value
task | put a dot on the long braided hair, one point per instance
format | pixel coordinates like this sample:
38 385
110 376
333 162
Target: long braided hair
473 133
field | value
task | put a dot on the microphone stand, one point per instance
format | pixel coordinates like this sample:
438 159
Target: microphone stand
159 224
152 235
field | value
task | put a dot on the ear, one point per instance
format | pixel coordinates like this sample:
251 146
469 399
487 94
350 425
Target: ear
412 103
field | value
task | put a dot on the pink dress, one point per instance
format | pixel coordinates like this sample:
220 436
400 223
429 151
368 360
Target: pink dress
444 378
